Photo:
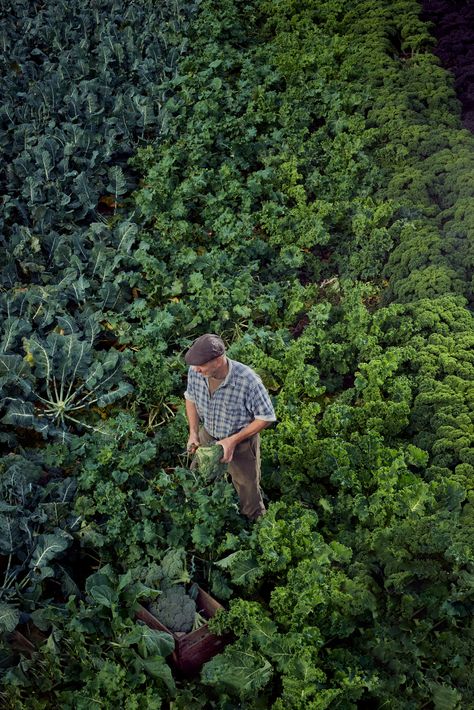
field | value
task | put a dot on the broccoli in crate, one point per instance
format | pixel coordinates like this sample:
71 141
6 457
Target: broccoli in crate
175 607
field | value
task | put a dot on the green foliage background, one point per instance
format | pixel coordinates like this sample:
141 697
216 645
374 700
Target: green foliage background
300 184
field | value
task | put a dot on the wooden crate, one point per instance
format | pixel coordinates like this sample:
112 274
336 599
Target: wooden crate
193 649
20 643
27 642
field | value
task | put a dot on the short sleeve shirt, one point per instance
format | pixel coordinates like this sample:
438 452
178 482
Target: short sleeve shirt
238 400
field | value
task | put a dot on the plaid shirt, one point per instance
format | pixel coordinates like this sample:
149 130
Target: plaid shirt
239 400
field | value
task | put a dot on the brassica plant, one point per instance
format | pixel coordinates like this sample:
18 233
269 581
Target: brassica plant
208 459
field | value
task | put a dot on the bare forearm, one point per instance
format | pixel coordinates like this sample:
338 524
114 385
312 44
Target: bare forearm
192 417
248 431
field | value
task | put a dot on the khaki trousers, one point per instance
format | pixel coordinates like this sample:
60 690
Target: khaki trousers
245 472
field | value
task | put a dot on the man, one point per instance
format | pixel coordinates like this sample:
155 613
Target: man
227 403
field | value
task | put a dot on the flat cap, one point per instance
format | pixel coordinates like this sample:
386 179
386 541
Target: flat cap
205 348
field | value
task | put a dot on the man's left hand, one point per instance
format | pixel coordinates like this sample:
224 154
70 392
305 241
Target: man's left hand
228 445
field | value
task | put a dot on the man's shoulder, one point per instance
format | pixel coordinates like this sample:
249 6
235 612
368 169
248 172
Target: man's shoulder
244 372
194 376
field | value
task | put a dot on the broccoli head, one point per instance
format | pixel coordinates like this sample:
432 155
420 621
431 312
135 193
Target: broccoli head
175 609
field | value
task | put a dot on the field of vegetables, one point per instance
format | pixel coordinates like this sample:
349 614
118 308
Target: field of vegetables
293 175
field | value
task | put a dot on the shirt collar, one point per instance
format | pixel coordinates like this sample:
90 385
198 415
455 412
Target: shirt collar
225 381
229 374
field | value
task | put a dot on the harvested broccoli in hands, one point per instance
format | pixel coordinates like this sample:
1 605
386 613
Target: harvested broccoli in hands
209 461
175 609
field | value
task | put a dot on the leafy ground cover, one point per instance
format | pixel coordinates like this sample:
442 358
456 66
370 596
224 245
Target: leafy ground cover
306 195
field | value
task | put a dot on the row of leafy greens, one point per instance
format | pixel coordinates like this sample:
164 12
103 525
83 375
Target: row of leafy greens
306 195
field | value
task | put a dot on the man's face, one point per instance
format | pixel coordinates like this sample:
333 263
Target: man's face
210 368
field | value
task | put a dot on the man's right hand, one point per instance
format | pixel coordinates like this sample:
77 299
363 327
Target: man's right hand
193 443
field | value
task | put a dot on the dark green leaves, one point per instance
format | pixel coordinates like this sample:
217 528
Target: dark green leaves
60 377
9 618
